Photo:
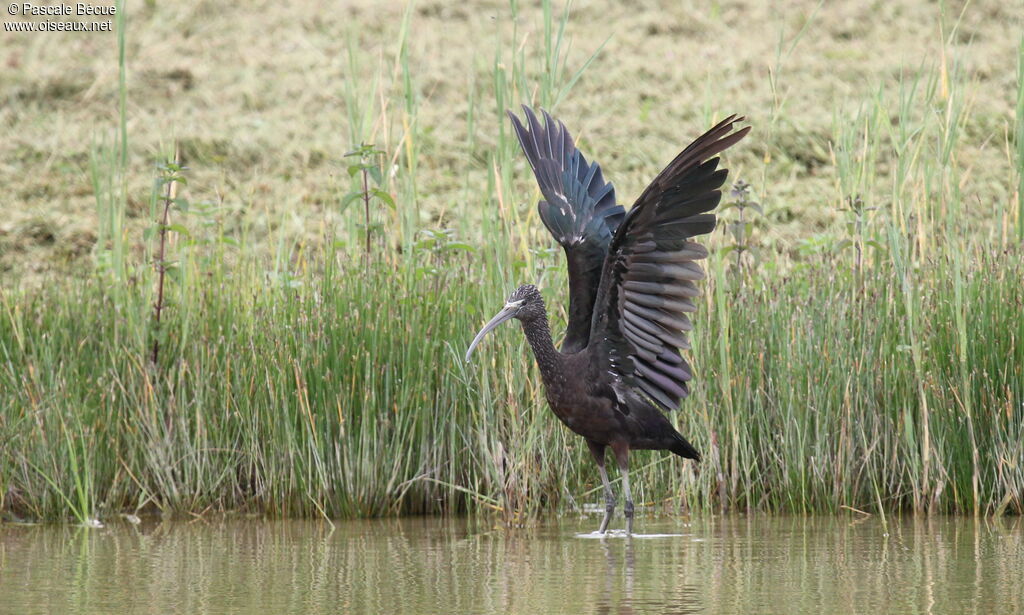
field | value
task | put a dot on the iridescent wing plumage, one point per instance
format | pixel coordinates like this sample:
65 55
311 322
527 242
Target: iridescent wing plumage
579 210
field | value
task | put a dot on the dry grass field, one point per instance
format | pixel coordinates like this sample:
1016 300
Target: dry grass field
261 99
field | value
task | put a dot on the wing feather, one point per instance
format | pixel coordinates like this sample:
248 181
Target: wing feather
649 276
578 208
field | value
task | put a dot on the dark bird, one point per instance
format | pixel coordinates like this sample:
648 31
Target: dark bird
632 280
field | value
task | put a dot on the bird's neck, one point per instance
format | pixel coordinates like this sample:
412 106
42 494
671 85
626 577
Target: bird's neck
539 335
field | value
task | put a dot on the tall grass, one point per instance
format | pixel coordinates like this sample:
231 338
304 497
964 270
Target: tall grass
309 382
345 396
1019 140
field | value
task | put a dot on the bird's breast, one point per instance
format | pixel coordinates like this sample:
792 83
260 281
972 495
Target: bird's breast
590 417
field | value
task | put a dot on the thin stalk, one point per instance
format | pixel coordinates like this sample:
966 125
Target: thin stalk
366 212
161 262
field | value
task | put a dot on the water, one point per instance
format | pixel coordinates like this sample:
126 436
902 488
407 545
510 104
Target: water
743 565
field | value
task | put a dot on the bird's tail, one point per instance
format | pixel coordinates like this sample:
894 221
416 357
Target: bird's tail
684 449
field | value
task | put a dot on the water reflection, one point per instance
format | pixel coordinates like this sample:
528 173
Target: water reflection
730 565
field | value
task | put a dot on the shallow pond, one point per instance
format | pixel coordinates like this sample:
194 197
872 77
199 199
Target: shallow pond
708 565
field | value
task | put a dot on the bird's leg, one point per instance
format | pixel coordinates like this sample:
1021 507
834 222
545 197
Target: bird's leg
622 457
609 499
597 450
629 502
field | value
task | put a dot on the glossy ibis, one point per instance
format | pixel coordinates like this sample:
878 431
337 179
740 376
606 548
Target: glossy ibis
632 280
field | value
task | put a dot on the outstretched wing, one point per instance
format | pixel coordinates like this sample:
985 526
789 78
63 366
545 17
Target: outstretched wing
579 210
648 280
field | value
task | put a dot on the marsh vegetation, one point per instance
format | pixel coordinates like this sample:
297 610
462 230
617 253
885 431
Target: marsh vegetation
859 345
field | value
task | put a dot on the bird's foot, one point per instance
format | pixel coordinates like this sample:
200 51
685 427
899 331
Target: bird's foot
629 517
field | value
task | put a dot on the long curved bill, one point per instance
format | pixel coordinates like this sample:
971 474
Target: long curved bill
506 312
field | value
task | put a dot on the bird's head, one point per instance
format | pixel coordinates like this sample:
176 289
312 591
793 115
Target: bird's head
525 303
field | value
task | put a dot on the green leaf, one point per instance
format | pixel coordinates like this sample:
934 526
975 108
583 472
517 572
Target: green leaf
384 196
177 228
375 174
458 245
175 274
351 196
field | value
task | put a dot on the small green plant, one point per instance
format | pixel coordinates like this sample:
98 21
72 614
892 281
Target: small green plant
439 244
170 178
741 229
368 166
856 230
438 255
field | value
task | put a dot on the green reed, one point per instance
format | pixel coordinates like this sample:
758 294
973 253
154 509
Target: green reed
345 395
